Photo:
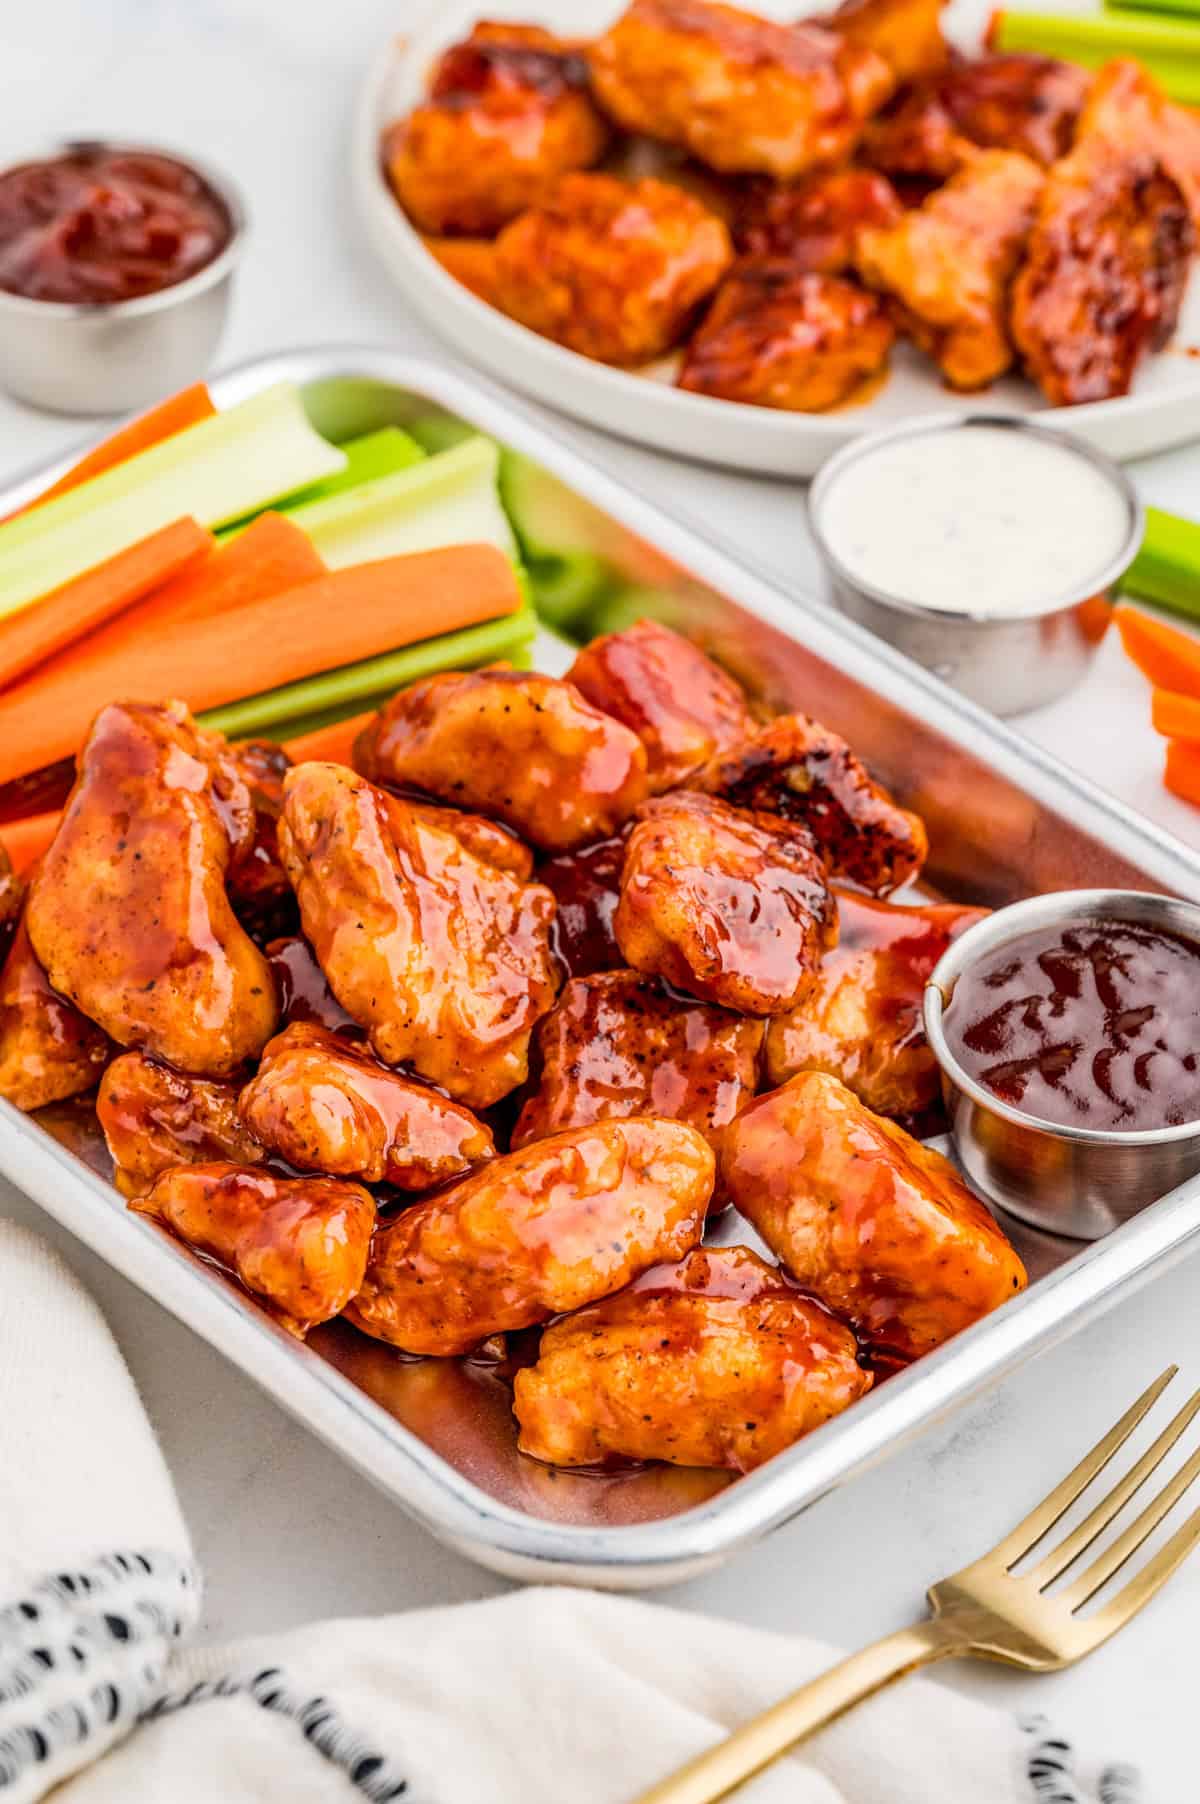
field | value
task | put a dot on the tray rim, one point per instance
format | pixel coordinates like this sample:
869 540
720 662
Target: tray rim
507 1539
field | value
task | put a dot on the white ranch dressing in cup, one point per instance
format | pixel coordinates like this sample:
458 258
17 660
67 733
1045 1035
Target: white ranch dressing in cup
976 519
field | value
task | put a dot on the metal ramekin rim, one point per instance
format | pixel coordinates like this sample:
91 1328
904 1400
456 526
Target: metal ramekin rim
1100 580
1010 923
222 185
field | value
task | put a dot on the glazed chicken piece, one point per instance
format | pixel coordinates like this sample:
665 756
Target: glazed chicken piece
776 336
947 266
12 896
620 1044
880 1228
129 915
325 1105
523 747
444 960
797 769
1108 258
729 906
1128 108
815 223
1014 101
508 112
538 1232
611 269
907 34
298 1243
155 1118
680 704
586 886
862 1022
48 1050
740 92
715 1361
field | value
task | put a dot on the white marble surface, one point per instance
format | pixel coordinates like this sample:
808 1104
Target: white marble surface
284 1530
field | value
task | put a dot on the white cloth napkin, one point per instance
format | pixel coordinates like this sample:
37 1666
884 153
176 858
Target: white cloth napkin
539 1697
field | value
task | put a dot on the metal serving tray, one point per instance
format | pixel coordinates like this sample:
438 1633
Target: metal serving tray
1005 821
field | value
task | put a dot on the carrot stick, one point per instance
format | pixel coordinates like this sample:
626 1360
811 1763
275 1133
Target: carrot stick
321 625
328 745
269 556
1175 716
1182 772
68 613
175 414
1170 658
26 840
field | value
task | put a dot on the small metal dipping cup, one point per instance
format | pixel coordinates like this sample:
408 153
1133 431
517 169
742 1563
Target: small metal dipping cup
1080 1182
112 357
1007 663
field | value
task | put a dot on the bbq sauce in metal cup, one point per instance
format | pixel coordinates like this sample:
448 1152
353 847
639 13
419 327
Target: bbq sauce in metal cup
1085 1025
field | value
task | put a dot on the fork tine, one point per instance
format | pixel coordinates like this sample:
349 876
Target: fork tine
1142 1587
1125 1546
1039 1521
1081 1538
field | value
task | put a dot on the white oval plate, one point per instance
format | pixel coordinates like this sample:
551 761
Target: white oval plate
1163 410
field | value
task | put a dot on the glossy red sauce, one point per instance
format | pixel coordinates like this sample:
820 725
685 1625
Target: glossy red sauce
1094 1026
97 226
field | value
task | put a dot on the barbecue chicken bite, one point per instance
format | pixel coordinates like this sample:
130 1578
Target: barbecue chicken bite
715 1361
1108 257
128 914
298 1243
535 1234
48 1050
611 269
729 906
802 772
815 224
907 34
777 336
738 91
681 705
880 1228
508 112
444 960
947 266
523 747
155 1118
326 1105
620 1044
1013 101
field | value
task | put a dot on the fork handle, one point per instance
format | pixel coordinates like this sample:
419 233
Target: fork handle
760 1741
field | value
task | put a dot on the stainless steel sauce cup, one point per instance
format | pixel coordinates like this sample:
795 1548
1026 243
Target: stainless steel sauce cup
1080 1182
1007 663
120 355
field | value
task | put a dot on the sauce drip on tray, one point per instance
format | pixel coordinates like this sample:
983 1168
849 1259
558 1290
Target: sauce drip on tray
1092 1026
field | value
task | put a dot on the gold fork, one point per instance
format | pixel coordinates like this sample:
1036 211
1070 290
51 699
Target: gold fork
987 1610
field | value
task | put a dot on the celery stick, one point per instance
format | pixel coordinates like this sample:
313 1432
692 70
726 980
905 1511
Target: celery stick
450 499
360 684
215 471
373 455
1167 568
1169 48
1190 7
